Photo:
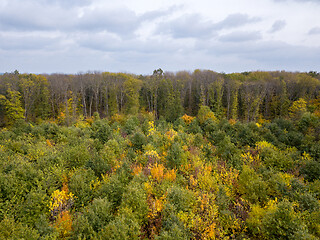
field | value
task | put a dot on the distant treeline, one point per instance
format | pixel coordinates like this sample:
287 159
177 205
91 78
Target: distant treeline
247 96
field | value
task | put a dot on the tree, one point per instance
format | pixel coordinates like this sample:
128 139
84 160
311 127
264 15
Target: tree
12 105
132 87
298 108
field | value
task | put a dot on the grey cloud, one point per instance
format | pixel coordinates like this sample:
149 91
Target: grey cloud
100 42
28 42
120 21
110 43
314 31
193 25
188 26
152 15
236 20
38 18
265 55
240 36
30 17
277 26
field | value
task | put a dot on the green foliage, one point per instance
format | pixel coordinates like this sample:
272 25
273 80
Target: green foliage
311 171
131 125
99 213
284 223
138 140
113 190
135 201
132 87
228 152
166 178
80 184
176 156
124 227
252 186
205 114
101 130
11 230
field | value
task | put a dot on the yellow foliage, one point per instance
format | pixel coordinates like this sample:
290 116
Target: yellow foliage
204 114
157 172
82 124
151 154
89 121
170 175
95 184
60 200
228 177
193 182
120 118
232 121
262 121
155 207
171 134
203 217
137 169
286 178
187 119
248 158
49 143
297 108
206 181
264 144
306 157
148 187
151 128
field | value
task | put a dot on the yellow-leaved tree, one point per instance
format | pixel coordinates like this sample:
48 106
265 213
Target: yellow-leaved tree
297 108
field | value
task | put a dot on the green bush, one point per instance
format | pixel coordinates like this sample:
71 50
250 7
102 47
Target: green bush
176 156
99 213
101 130
11 230
311 171
80 185
284 223
131 125
138 140
252 186
124 227
135 199
113 190
181 199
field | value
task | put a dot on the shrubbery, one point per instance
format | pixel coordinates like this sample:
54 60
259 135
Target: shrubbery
195 178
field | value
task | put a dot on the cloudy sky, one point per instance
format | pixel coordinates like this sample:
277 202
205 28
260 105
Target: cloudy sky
69 36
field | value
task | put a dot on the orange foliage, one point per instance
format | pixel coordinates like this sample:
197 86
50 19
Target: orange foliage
49 143
187 119
136 169
170 175
232 121
157 172
63 224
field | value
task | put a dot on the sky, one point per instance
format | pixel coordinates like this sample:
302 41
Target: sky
72 36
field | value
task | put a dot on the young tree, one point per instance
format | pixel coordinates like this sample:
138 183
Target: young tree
12 105
132 87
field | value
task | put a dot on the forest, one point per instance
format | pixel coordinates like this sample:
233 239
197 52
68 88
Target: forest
185 155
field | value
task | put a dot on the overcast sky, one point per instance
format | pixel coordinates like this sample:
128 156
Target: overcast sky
69 36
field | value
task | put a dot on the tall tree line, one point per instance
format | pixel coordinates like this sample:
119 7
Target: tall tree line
244 96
